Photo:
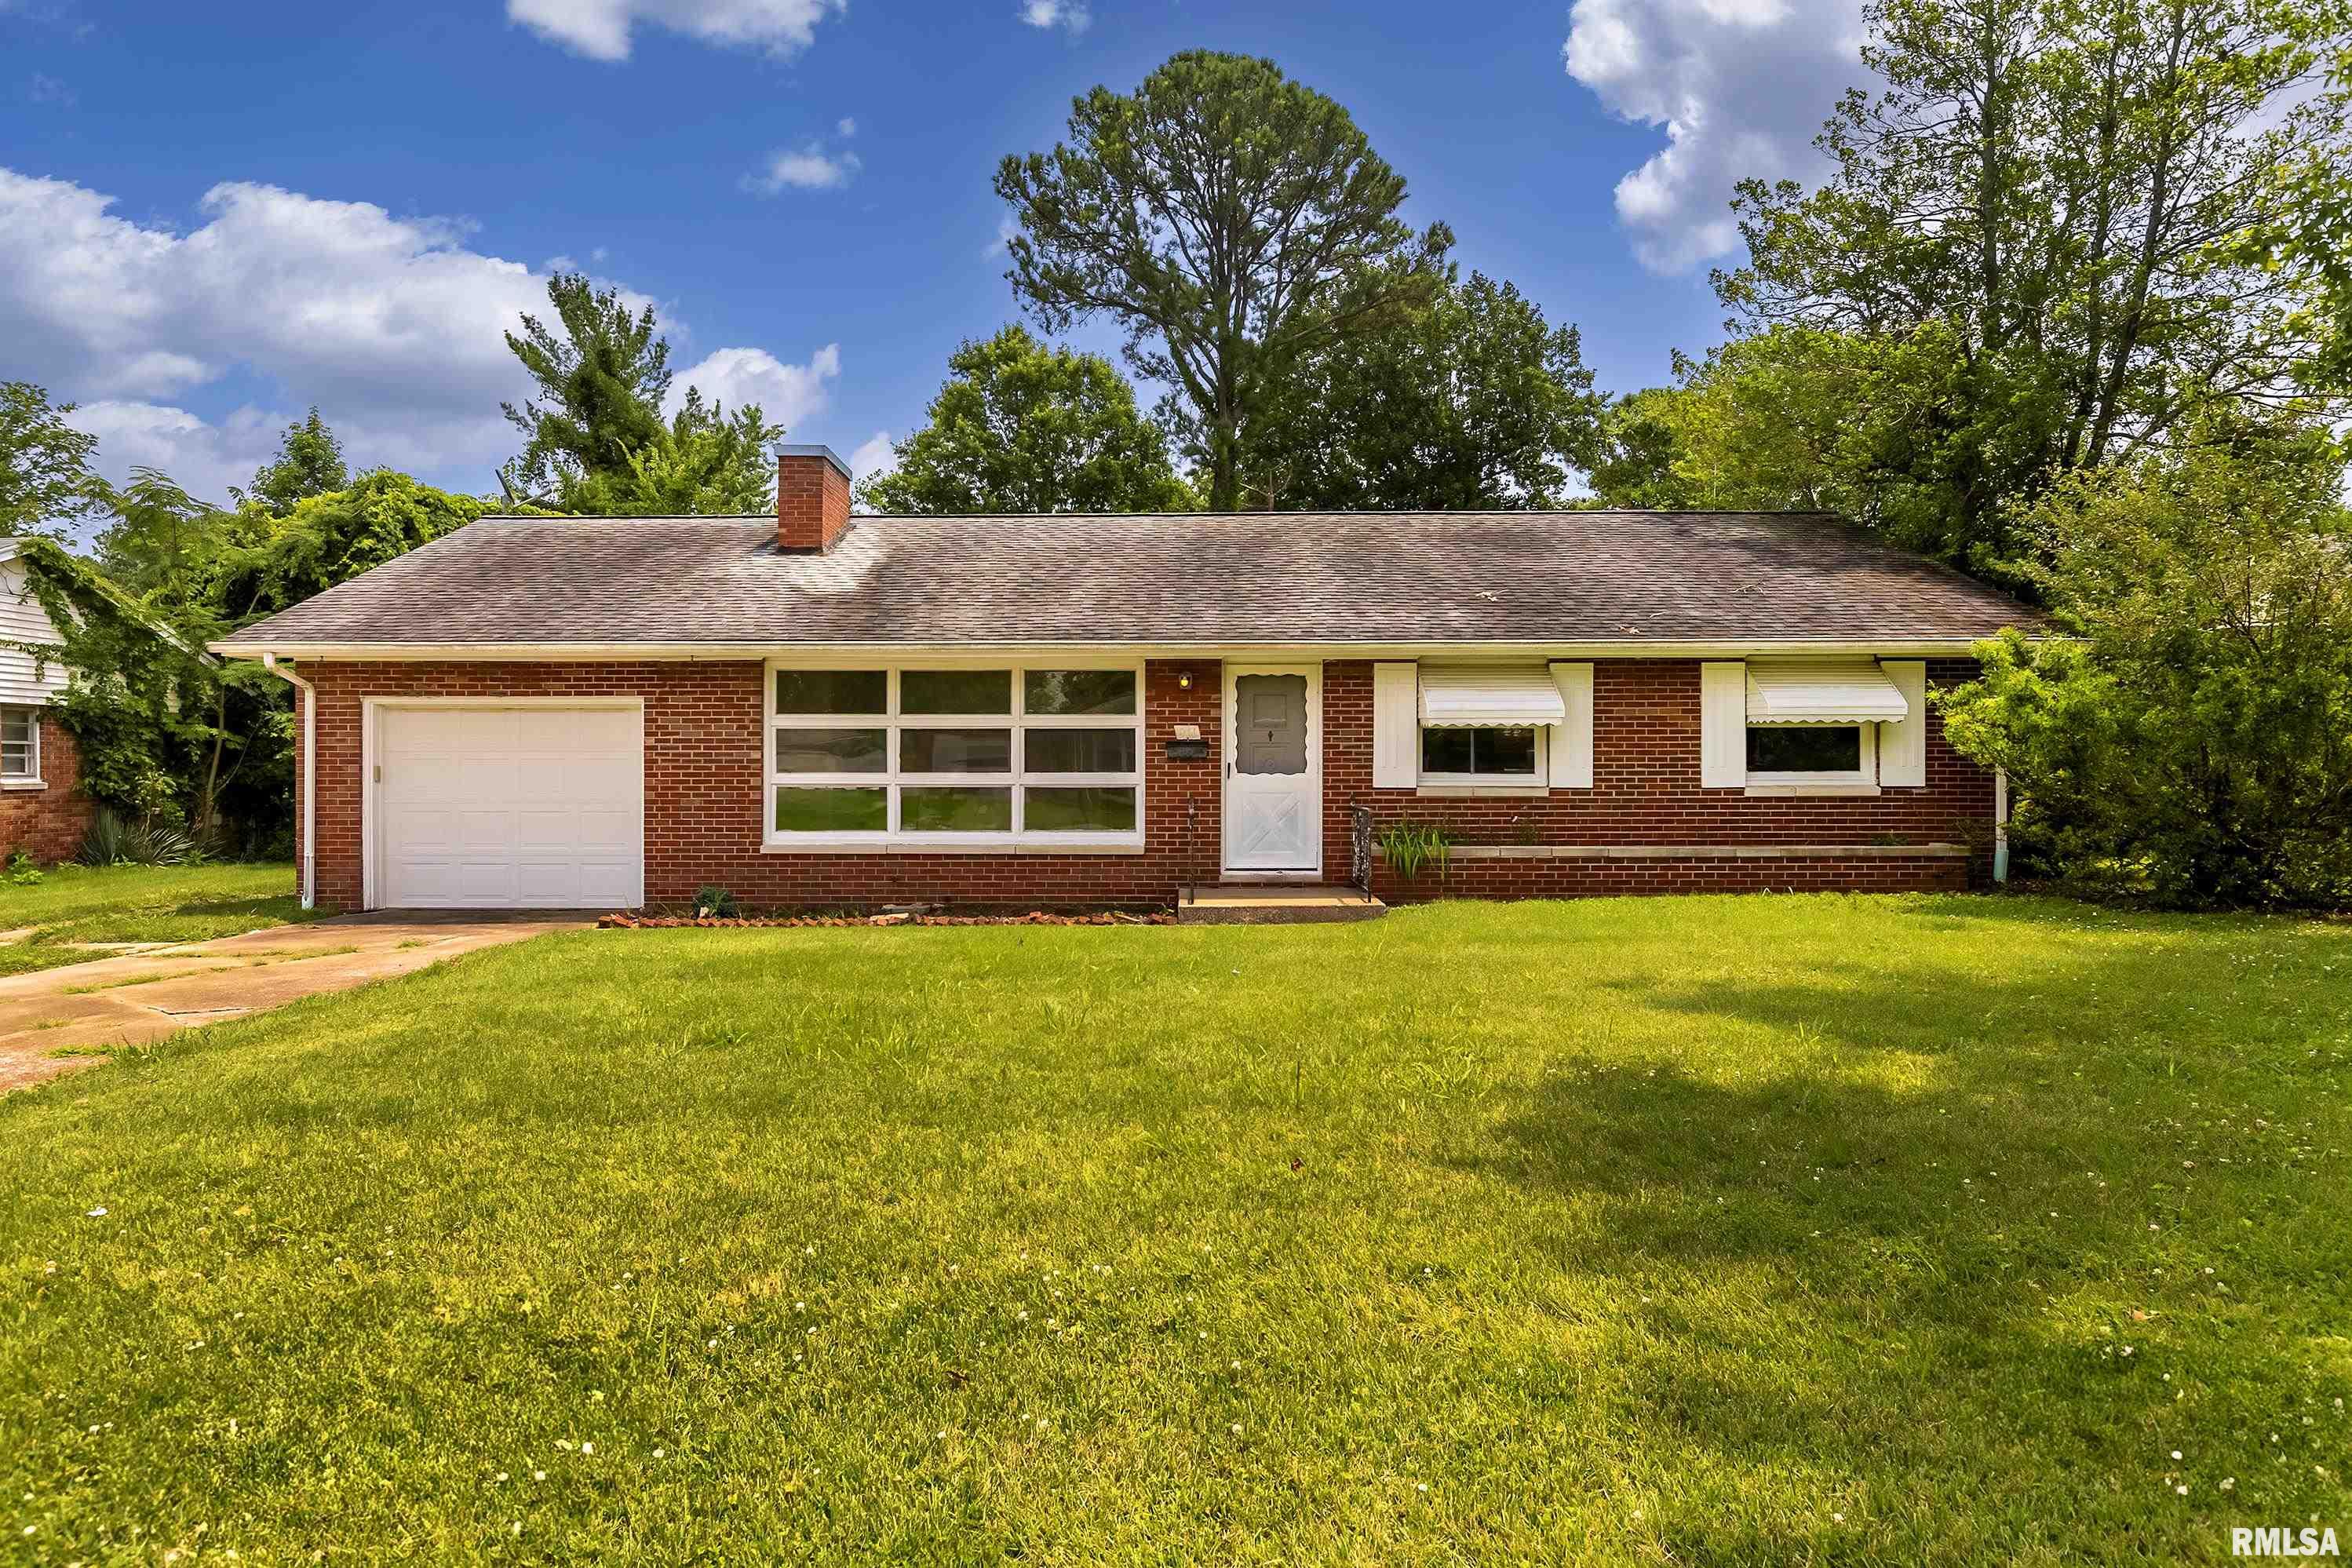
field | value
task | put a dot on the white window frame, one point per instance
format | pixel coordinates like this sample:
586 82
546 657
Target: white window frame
1537 781
891 779
31 778
1858 780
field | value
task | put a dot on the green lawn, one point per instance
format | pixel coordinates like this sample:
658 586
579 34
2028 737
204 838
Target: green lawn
78 904
1709 1231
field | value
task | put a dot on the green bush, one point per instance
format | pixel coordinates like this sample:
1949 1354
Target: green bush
2193 741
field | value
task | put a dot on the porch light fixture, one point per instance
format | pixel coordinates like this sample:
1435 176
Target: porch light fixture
1183 680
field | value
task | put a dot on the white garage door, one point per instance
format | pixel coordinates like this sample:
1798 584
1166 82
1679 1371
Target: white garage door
509 808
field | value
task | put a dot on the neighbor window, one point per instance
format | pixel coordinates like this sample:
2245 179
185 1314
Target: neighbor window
20 744
1036 755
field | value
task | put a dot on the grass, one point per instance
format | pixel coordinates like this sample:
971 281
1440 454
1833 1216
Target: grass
1916 1230
77 905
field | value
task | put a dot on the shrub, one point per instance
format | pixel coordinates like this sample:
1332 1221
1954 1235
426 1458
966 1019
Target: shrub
715 901
2195 739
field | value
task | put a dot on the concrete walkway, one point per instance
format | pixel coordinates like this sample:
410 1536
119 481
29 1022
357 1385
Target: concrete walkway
140 996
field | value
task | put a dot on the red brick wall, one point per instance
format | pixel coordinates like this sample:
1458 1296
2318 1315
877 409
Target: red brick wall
705 797
1646 777
47 823
705 800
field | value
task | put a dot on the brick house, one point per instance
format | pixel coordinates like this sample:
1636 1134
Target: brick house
821 709
42 814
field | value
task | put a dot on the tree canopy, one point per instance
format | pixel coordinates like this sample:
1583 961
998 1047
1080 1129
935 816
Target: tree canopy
310 462
2035 238
46 485
1472 401
1020 427
602 372
1232 222
706 461
598 442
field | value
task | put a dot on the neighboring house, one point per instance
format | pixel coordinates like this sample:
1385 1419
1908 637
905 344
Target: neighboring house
819 709
41 812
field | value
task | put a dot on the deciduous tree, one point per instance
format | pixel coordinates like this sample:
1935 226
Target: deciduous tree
47 486
1473 402
1020 427
310 462
2038 230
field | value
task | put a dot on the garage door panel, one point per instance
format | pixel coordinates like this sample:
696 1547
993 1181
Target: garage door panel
509 807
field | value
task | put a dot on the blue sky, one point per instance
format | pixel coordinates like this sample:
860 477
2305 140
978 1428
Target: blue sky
213 216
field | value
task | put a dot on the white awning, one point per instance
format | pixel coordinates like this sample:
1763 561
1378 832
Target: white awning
1484 696
1822 694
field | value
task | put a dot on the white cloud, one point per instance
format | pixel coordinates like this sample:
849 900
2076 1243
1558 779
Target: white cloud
847 127
1740 88
874 456
601 29
1071 15
391 325
205 459
1003 244
787 394
810 169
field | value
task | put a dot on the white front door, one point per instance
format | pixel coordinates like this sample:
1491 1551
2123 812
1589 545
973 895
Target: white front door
1274 767
529 806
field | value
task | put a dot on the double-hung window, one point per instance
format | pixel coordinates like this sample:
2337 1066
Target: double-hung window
20 745
1024 754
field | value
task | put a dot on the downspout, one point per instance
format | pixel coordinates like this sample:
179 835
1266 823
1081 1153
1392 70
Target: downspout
309 701
1999 826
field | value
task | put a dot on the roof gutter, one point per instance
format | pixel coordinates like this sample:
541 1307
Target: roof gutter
736 652
309 698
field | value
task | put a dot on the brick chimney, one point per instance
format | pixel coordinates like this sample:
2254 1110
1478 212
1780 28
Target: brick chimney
811 498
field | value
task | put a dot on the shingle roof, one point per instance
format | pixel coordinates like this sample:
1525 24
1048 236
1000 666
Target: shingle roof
1260 578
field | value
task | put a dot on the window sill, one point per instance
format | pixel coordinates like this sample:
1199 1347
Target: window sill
27 784
817 843
1481 792
1802 791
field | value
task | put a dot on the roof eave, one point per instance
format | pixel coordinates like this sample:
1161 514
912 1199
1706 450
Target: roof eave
736 652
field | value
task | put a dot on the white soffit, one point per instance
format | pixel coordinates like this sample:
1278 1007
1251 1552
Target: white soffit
1480 696
1822 694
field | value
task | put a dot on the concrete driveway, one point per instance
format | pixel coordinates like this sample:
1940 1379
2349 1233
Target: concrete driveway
138 997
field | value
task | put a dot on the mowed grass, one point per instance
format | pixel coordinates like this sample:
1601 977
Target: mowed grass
75 905
1711 1231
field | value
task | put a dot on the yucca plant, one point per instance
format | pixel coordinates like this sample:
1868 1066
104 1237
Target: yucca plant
112 841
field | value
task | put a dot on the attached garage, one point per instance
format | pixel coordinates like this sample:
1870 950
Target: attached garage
505 805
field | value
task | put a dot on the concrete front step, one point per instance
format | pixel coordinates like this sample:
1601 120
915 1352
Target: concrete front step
1289 903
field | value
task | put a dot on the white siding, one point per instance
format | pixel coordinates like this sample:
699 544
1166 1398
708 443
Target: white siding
22 678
